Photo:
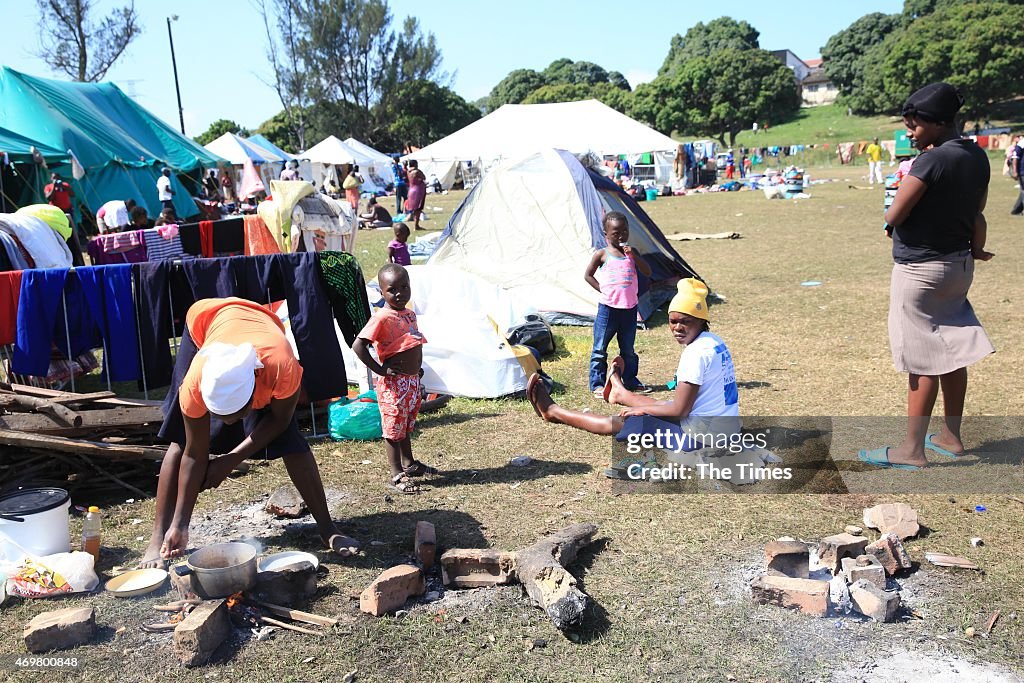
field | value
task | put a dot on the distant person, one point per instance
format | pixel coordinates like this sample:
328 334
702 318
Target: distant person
417 193
352 184
936 222
291 171
140 219
212 186
613 273
376 216
1017 171
755 127
730 165
114 216
874 154
744 166
398 249
60 194
166 217
227 186
401 186
164 190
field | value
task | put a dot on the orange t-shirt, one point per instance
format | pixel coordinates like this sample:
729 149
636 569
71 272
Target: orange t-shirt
236 321
392 332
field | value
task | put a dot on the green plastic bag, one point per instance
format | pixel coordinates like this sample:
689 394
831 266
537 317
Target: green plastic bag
356 420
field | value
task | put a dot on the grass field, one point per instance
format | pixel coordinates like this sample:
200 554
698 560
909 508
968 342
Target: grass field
668 573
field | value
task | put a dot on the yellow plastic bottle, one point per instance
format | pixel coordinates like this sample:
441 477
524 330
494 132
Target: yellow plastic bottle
91 531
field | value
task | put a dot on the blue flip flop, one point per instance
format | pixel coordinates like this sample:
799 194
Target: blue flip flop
879 457
936 448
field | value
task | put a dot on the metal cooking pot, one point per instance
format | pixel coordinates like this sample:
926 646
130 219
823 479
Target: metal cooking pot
220 570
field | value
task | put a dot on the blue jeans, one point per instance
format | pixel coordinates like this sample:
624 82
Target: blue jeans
620 323
401 194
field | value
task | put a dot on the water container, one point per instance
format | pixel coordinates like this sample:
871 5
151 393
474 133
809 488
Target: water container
37 520
652 193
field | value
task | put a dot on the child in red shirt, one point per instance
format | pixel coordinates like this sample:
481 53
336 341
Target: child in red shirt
399 344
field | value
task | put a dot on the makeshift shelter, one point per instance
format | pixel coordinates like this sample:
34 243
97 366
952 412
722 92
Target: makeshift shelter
531 227
586 127
331 152
237 150
377 171
119 147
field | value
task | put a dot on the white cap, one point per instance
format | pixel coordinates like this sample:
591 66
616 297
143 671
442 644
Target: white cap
228 377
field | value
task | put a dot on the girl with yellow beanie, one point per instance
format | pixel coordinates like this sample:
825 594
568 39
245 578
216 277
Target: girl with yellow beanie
706 382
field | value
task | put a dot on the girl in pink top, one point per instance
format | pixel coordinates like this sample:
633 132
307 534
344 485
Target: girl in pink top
613 273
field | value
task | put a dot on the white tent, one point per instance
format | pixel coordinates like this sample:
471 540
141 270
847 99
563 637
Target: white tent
516 129
330 152
237 149
531 227
377 171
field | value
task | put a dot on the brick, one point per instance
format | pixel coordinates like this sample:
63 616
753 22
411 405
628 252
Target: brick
289 586
865 567
871 601
286 502
391 589
807 595
833 549
471 568
200 633
854 530
60 629
893 518
889 552
425 544
787 558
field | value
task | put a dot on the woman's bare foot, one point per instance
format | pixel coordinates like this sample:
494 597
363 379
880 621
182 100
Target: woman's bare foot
151 558
908 455
948 441
538 395
341 545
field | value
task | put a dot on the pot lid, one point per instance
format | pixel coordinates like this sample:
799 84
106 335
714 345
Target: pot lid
32 501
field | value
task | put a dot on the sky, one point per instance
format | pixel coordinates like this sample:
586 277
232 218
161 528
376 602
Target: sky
223 71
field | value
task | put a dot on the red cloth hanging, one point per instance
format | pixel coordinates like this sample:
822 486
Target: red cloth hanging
10 289
206 238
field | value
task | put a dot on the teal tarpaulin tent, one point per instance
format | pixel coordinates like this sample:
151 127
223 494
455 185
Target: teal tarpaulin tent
120 146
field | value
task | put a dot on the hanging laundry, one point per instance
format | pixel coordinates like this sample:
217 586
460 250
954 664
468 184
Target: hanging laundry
258 239
13 254
41 242
206 238
229 237
251 182
41 321
107 291
99 257
191 242
845 151
10 290
159 247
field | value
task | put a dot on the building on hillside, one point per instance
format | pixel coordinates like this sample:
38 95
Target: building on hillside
799 67
817 89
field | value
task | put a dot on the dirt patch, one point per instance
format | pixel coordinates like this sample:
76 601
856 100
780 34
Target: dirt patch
933 666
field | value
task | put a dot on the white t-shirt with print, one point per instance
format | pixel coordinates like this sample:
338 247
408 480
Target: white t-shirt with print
163 186
707 363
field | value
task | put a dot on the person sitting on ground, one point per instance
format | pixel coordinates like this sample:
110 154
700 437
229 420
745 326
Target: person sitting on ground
376 216
212 186
613 273
234 389
705 398
393 332
398 250
166 217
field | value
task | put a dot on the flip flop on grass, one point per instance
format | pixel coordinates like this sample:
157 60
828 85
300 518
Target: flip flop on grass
879 457
342 546
531 384
930 444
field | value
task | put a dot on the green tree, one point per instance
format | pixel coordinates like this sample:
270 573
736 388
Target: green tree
975 46
279 131
567 71
719 95
218 128
723 33
421 112
71 42
515 87
915 9
843 54
613 96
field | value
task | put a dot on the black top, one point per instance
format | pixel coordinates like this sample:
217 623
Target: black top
957 174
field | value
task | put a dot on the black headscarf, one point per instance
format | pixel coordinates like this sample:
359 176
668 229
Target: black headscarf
938 102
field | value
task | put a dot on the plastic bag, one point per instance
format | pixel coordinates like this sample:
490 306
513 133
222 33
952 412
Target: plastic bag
535 333
42 577
358 420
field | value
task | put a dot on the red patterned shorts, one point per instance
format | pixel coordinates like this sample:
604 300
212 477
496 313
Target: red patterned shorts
398 397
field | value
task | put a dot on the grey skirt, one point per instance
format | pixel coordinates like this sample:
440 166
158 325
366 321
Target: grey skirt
933 329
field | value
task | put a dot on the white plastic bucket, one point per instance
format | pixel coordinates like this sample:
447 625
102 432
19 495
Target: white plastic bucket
43 529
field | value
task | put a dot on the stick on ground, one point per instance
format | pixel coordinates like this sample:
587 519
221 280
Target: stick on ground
541 569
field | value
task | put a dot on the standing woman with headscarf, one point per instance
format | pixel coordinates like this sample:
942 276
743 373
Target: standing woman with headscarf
937 229
353 181
417 192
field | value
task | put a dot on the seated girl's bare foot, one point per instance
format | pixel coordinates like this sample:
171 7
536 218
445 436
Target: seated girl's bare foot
618 390
151 558
538 395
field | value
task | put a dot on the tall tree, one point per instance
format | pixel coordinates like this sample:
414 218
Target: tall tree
348 52
420 113
290 79
218 128
515 87
73 43
614 97
720 95
723 33
843 54
975 46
